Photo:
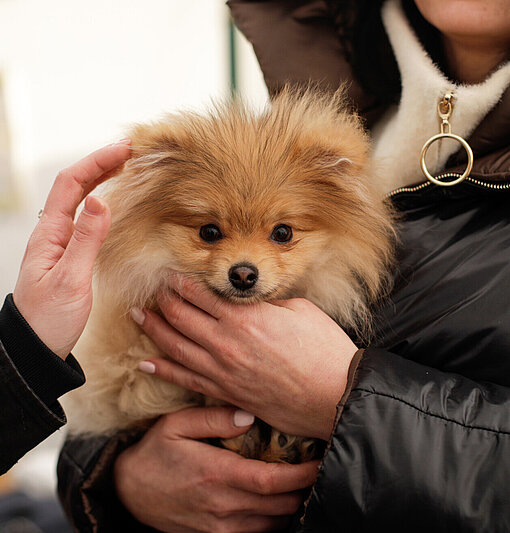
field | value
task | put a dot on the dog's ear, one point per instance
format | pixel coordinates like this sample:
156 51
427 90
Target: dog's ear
328 131
162 135
154 144
345 157
327 158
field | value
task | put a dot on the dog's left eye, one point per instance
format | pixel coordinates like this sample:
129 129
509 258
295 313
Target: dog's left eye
281 233
210 233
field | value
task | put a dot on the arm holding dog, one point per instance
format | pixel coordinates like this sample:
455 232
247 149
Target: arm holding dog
60 254
171 481
452 410
210 487
436 445
41 322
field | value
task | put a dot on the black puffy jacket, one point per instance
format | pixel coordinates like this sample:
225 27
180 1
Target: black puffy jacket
422 439
32 378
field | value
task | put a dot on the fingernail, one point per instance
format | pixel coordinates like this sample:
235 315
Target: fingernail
126 140
138 315
93 205
243 419
147 367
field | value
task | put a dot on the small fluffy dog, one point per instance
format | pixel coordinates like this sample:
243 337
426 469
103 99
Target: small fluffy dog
257 206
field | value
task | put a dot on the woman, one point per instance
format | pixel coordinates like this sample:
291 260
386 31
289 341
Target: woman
41 322
420 438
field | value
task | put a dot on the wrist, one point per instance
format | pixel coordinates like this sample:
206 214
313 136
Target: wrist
47 375
57 324
349 385
125 485
118 476
339 383
123 471
27 316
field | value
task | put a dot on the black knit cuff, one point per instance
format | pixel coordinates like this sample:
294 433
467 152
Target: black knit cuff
45 373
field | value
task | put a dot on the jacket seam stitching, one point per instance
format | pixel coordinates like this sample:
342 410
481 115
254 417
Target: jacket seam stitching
32 407
498 432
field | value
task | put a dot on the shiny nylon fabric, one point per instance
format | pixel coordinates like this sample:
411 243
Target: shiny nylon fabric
423 442
451 301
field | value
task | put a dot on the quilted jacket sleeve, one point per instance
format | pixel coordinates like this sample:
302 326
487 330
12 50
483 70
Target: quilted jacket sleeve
414 449
86 487
32 378
25 420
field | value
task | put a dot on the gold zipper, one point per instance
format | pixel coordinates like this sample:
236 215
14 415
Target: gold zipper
426 184
489 185
416 188
445 110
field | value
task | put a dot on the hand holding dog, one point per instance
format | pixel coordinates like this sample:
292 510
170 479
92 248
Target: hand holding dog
188 485
284 361
53 291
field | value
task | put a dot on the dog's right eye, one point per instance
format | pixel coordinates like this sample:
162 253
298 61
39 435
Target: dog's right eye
210 233
282 233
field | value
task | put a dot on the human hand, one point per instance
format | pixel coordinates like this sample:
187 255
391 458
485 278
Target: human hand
177 484
285 361
53 291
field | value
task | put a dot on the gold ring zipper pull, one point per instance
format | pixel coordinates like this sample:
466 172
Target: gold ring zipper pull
444 111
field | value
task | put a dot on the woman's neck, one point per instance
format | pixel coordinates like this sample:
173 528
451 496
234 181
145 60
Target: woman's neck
472 62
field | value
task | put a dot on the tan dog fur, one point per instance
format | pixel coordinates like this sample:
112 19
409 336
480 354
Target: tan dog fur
304 162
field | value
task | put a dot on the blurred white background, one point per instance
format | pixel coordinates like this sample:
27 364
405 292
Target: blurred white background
73 75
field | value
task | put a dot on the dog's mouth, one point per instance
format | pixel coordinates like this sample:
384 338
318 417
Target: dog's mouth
242 296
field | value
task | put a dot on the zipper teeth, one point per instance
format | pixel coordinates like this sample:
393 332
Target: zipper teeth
409 189
425 184
489 185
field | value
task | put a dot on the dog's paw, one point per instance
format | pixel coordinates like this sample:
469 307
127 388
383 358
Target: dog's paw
249 445
283 448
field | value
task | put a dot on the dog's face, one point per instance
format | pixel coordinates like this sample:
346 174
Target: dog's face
249 206
245 243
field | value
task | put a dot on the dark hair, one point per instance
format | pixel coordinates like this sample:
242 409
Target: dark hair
360 28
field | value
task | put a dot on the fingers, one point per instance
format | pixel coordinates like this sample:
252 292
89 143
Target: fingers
258 504
90 231
293 304
273 478
199 295
251 476
184 377
172 342
207 422
74 183
188 319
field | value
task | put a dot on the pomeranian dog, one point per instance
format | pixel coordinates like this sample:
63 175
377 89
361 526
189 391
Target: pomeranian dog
281 203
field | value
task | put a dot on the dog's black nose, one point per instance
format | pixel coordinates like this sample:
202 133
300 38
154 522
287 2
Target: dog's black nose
243 276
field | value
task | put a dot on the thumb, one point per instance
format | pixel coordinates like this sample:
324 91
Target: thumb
208 422
90 231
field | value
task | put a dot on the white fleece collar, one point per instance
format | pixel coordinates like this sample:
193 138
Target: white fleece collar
401 133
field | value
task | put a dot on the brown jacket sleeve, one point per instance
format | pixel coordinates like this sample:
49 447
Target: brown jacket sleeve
296 42
86 488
